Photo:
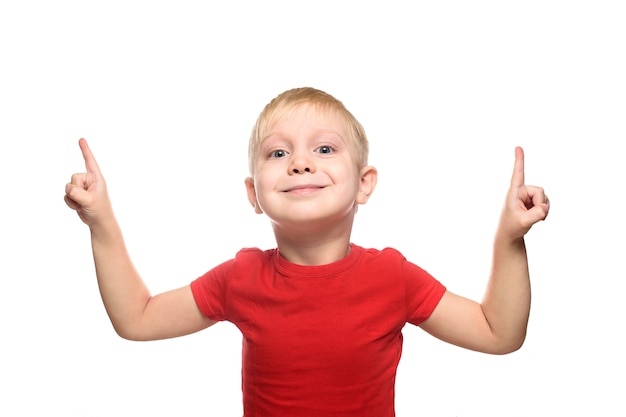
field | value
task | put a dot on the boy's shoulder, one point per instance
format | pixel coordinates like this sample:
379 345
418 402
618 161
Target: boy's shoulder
379 254
250 253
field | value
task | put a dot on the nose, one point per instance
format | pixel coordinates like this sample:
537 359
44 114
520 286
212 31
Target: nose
301 163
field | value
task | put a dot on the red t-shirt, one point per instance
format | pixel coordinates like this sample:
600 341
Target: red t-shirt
319 340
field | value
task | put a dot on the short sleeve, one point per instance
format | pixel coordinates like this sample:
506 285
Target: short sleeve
209 291
423 292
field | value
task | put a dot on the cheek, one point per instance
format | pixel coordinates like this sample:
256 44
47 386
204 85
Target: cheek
262 187
348 175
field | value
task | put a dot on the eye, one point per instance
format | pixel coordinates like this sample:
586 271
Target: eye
279 153
325 149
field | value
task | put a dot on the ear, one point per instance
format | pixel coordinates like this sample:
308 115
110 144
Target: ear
252 195
369 177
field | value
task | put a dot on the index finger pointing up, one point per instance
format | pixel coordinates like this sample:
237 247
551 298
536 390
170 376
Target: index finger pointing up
518 170
90 161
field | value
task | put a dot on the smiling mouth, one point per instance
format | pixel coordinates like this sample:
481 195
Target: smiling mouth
303 189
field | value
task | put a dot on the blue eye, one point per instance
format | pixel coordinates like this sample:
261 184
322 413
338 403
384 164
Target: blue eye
278 153
325 149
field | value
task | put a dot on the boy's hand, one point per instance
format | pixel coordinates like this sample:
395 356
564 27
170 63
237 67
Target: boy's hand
87 192
525 205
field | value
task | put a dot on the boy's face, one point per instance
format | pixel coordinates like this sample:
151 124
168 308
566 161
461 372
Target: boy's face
305 170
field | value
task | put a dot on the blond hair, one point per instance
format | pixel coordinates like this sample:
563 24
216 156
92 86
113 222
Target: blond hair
286 102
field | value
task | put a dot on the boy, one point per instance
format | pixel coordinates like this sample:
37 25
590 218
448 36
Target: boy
321 317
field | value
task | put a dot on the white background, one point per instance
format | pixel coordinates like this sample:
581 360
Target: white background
166 94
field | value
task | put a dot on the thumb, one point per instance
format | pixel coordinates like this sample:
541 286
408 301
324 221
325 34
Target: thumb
535 214
76 194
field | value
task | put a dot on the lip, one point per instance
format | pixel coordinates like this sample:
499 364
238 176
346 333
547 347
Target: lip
304 188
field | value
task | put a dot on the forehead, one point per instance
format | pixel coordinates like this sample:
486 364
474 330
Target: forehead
306 117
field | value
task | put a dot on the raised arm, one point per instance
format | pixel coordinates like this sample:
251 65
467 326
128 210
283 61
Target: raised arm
134 313
498 324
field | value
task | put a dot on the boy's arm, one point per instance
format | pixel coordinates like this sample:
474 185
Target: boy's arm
498 324
134 313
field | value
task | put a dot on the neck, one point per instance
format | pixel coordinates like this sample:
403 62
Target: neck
314 246
322 253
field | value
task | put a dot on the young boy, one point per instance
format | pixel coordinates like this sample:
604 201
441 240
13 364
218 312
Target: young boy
321 317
